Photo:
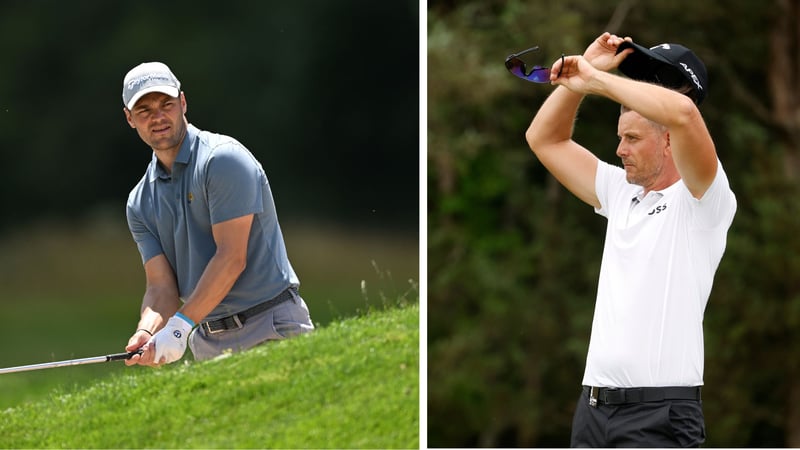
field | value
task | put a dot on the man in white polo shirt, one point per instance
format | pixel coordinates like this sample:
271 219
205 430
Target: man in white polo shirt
669 208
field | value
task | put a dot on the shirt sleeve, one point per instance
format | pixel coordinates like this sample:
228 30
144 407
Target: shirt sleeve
718 204
147 243
609 181
235 183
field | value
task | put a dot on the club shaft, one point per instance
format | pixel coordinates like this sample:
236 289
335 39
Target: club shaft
70 362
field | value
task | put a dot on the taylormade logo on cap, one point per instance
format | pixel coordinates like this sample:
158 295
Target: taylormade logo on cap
146 78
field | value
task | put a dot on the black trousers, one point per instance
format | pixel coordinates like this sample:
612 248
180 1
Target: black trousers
668 423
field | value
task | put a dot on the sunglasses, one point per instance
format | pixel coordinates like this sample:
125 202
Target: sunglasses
538 74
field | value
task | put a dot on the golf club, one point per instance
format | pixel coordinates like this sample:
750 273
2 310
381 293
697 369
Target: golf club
72 362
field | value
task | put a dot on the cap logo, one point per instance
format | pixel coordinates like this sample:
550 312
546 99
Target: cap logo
144 79
692 75
664 46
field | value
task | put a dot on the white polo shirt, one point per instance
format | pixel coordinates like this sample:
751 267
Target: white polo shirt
659 259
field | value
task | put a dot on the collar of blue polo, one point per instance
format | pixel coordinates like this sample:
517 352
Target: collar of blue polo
157 171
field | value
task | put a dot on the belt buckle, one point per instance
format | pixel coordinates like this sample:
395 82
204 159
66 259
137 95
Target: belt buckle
209 330
213 330
593 391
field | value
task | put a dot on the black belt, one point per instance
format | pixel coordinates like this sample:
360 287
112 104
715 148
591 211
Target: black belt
622 396
237 320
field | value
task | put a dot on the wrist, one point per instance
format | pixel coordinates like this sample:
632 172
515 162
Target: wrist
186 319
598 83
145 330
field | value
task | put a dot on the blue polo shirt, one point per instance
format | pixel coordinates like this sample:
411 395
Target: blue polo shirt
214 179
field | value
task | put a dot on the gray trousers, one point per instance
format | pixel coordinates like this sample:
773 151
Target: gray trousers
285 320
668 423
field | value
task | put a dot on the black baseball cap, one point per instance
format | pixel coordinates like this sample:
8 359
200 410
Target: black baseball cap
670 65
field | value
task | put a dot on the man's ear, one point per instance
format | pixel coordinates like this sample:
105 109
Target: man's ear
184 107
128 117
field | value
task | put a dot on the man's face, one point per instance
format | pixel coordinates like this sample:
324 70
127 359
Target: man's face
159 120
643 149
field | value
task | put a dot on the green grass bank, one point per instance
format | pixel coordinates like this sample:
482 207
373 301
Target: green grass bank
353 383
74 289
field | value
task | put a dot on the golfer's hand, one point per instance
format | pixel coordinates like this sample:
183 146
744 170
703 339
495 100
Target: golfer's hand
170 342
574 73
602 52
136 342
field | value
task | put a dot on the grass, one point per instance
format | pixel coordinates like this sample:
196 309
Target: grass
351 384
73 290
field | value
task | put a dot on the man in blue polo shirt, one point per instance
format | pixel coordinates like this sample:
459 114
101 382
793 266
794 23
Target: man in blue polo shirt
205 224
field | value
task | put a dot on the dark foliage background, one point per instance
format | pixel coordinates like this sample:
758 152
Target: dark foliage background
324 93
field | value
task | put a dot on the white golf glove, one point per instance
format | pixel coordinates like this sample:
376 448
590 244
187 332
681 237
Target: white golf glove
171 340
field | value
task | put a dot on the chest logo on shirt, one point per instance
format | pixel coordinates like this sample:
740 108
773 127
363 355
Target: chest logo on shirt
190 197
658 209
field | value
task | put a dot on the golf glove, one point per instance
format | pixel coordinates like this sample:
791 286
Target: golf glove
171 341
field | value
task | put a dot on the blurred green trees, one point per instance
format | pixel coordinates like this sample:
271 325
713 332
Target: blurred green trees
513 258
324 93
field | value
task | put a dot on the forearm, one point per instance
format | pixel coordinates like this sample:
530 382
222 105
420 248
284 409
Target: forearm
555 120
661 105
216 282
550 138
158 305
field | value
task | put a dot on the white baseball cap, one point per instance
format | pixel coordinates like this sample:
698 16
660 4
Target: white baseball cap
146 78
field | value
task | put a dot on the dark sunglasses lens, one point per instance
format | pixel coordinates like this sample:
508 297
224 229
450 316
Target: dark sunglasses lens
516 66
537 75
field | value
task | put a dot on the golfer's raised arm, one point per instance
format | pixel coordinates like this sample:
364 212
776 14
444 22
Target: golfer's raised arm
692 147
550 138
550 133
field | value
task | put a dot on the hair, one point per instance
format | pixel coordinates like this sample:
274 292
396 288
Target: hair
657 126
689 91
670 77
